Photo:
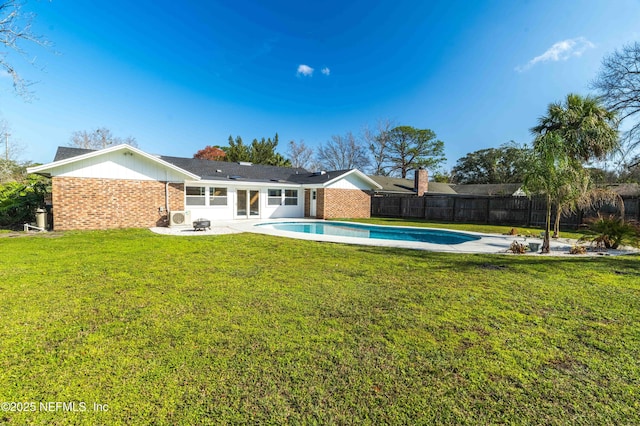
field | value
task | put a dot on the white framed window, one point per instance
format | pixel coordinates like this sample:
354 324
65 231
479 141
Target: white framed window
195 195
290 197
282 197
275 197
217 196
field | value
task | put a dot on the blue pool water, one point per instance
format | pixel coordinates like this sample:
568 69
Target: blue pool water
433 236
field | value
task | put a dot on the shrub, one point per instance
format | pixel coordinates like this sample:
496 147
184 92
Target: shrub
576 249
518 248
19 201
611 232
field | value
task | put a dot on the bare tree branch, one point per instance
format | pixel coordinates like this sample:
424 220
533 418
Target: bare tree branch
98 139
15 29
300 155
377 141
343 153
618 86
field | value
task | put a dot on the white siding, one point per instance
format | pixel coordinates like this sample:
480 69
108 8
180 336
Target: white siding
351 181
228 212
118 165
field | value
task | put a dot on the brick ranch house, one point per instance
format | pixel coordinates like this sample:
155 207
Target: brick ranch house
125 187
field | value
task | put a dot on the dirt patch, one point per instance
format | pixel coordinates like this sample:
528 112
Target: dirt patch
493 267
17 234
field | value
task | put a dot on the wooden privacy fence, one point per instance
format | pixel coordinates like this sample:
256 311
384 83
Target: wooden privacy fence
496 210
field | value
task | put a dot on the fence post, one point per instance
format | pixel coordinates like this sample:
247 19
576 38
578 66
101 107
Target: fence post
486 211
453 210
426 212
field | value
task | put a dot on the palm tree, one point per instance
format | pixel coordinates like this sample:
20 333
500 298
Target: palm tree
550 171
588 129
573 132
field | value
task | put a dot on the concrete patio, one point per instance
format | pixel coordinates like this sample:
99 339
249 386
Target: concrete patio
487 244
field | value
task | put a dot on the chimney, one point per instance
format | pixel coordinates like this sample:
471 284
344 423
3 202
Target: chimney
421 181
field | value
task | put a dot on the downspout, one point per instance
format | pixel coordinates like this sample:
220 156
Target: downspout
166 197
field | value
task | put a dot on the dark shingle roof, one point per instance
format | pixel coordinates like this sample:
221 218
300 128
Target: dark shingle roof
224 170
309 178
214 170
65 152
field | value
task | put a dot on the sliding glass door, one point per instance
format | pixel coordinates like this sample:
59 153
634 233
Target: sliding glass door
248 203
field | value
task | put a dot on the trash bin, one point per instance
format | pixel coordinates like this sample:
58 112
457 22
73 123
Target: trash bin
41 219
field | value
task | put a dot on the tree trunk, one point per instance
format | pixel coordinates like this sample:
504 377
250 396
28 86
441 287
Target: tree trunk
546 244
556 225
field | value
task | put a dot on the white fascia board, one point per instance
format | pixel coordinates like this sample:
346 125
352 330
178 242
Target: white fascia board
358 173
122 147
244 183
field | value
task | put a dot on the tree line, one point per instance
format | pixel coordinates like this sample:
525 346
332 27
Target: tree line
388 150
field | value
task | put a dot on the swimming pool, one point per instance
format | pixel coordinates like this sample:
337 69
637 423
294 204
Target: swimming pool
433 236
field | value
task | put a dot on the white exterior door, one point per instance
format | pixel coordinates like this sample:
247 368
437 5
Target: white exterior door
248 203
312 203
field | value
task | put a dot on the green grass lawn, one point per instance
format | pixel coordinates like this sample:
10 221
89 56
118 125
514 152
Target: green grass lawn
256 329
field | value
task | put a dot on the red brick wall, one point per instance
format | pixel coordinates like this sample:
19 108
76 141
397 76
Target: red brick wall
87 203
320 203
343 203
421 182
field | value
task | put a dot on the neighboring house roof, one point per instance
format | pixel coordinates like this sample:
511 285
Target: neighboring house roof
625 189
198 169
394 185
391 185
440 188
489 189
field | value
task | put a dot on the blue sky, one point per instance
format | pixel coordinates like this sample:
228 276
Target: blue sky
178 76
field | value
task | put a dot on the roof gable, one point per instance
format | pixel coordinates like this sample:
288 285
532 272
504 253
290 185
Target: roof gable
328 178
67 156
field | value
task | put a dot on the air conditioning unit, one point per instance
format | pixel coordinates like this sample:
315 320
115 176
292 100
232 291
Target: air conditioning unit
179 218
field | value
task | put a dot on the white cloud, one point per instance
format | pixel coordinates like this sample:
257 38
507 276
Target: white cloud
325 71
560 51
304 70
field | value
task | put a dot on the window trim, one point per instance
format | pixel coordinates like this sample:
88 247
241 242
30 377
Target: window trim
293 198
212 197
201 197
282 199
274 200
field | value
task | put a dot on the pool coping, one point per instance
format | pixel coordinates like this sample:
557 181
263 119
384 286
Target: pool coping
487 244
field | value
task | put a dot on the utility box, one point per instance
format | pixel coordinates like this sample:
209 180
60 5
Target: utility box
41 219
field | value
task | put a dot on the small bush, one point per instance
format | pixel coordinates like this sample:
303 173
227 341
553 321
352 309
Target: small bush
576 249
518 248
610 232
